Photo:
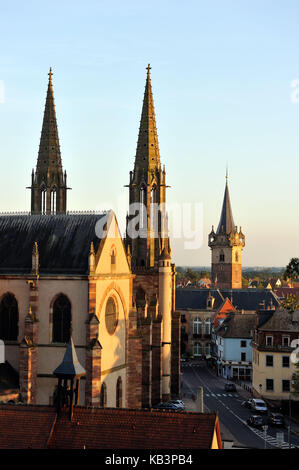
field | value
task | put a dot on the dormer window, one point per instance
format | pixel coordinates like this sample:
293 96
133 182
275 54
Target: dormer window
269 340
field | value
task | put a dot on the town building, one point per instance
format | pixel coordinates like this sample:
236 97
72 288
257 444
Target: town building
201 308
272 348
64 274
233 350
226 246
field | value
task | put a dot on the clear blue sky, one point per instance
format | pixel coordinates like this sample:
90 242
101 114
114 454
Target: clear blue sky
221 76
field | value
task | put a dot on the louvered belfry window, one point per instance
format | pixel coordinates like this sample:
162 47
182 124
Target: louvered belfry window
61 319
9 318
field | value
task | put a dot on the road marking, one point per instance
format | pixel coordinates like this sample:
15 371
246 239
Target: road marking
260 434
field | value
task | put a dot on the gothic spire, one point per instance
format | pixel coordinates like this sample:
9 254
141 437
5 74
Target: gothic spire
49 149
226 218
147 153
48 182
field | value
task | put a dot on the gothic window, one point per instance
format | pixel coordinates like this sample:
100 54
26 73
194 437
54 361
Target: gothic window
142 212
61 320
113 260
9 318
153 200
197 326
221 257
111 315
43 200
53 201
103 396
237 257
119 393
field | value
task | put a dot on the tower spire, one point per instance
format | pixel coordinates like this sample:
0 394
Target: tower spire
147 152
48 186
226 218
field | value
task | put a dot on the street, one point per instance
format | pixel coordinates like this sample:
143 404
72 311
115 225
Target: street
232 414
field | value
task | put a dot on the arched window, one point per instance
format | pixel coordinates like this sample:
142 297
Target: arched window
111 315
113 260
197 326
142 212
221 257
153 211
9 318
237 257
43 200
53 200
103 396
119 393
61 320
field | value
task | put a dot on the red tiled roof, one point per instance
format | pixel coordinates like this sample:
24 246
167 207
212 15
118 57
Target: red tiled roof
133 429
24 426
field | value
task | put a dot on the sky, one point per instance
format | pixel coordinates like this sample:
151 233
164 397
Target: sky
225 78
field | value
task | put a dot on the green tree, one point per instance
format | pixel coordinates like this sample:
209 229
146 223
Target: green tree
292 269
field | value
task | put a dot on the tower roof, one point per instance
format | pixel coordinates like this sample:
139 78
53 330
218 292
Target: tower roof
226 218
70 366
49 157
147 153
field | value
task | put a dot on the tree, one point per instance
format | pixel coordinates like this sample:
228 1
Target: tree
291 303
292 269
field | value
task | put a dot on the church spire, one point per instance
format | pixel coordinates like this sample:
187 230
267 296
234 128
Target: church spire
49 149
48 182
226 218
147 153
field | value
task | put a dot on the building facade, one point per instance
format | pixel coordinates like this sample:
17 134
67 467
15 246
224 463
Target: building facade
68 274
273 363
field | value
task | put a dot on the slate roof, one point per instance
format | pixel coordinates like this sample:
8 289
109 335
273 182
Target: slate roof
237 325
226 218
63 242
242 299
282 320
23 426
70 366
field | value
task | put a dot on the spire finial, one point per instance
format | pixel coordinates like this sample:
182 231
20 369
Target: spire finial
226 174
148 68
50 75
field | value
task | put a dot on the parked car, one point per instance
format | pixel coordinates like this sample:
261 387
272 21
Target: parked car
276 419
167 406
256 404
259 405
179 403
230 387
255 421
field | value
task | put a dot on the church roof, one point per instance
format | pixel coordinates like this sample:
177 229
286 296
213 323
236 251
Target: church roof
147 153
63 242
33 426
242 299
226 218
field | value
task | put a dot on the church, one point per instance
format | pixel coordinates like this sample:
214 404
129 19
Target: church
71 275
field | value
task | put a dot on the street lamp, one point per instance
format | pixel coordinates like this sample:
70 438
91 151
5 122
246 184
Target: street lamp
260 387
